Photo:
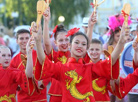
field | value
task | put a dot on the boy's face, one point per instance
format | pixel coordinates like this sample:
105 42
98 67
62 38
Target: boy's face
22 40
95 50
5 57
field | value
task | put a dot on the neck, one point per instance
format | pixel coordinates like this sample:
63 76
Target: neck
23 51
95 60
76 57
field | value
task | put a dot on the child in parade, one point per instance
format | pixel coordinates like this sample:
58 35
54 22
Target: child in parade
75 76
12 77
39 92
62 55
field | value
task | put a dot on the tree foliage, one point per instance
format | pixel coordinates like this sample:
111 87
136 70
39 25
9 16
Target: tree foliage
27 10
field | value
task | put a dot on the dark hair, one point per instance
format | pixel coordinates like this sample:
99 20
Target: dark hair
60 28
79 33
21 31
111 39
96 41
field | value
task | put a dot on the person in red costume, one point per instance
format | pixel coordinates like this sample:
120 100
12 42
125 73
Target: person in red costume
39 93
99 83
11 78
62 55
75 76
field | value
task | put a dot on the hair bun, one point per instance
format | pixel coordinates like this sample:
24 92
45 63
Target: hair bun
60 27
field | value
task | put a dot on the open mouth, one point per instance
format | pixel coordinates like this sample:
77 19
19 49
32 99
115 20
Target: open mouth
6 62
64 47
79 50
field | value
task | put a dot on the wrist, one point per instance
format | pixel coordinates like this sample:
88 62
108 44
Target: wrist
29 53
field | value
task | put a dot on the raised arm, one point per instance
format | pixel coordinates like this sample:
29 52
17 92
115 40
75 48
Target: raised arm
29 65
120 45
38 40
46 39
91 22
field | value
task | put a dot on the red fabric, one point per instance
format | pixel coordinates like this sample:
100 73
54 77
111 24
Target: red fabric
134 66
55 98
86 58
74 73
22 95
9 80
125 84
100 82
55 89
72 31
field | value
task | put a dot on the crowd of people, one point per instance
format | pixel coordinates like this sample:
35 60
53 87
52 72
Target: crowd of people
70 60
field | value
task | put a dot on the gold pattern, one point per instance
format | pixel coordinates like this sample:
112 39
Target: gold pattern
72 87
63 59
97 88
6 98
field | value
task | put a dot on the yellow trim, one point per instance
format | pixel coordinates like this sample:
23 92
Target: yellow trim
54 94
30 94
42 68
119 89
111 67
34 69
7 98
19 65
40 100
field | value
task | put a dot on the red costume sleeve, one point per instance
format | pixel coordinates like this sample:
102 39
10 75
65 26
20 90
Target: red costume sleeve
46 81
134 66
25 83
48 69
126 84
105 69
86 58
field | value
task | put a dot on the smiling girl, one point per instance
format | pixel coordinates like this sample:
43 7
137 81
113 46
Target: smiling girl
75 76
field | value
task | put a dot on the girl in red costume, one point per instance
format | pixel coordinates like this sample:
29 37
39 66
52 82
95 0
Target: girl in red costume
62 55
75 76
11 77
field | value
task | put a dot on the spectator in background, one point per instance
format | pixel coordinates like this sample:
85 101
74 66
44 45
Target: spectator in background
85 27
133 31
106 35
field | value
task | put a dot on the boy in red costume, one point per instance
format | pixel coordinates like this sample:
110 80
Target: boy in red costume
39 93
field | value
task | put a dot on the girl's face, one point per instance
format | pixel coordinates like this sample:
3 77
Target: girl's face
116 37
62 42
5 56
78 46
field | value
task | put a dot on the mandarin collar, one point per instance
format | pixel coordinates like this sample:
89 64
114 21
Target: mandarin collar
73 60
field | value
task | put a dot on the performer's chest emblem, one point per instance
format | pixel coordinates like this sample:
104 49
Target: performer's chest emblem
63 59
72 86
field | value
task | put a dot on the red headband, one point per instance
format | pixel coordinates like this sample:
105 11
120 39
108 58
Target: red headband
54 30
72 31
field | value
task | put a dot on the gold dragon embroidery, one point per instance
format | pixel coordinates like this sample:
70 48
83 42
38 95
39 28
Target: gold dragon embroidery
97 88
63 59
72 87
6 98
